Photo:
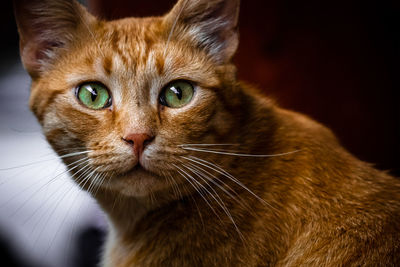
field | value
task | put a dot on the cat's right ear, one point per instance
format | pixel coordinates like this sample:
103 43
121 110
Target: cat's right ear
46 27
211 24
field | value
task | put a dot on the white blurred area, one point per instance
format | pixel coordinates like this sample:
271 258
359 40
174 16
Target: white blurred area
41 209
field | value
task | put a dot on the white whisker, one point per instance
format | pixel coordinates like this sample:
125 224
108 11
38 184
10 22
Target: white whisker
187 178
83 168
74 154
219 170
239 154
80 161
100 183
202 172
218 200
64 219
45 160
189 145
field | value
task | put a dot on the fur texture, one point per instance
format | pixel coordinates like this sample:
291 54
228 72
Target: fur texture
230 179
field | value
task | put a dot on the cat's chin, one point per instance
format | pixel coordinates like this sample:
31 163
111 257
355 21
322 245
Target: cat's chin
137 182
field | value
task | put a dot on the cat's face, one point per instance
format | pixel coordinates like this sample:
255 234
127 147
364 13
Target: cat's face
125 96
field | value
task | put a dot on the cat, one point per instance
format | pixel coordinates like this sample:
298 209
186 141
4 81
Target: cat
192 166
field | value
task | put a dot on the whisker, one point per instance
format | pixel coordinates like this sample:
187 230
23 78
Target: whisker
234 195
74 226
202 172
45 160
78 149
189 145
74 154
183 173
28 164
87 167
152 197
219 201
199 212
51 215
100 183
32 170
219 170
92 182
239 154
81 161
213 180
65 181
83 174
49 212
64 219
39 207
176 186
171 183
219 150
87 178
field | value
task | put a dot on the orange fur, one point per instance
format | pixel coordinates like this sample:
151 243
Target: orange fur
310 203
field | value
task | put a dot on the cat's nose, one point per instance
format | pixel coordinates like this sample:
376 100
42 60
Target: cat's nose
138 141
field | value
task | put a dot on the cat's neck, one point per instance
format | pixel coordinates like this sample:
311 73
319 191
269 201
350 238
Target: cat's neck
136 224
124 212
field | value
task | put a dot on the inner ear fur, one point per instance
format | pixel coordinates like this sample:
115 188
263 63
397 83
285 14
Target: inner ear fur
46 26
211 24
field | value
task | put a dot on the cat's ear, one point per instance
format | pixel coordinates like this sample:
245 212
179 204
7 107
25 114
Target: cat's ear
212 24
45 27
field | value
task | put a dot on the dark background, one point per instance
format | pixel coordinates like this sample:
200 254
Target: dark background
336 61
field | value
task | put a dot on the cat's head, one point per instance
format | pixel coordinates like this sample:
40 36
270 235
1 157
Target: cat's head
119 100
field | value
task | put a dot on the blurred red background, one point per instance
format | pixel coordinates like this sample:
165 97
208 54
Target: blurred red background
333 60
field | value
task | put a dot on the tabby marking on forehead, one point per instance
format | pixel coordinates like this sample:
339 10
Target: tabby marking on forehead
108 65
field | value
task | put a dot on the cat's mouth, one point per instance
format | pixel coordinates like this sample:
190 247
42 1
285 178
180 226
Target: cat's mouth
138 169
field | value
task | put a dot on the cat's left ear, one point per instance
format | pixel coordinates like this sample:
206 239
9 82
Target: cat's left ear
211 24
46 27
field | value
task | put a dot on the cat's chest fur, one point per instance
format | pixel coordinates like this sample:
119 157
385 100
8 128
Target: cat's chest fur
184 236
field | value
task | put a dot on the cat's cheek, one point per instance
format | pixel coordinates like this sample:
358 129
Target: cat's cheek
222 123
83 123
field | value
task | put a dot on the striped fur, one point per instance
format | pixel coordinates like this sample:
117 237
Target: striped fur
300 199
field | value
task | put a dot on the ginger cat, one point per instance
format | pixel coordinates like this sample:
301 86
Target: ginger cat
193 167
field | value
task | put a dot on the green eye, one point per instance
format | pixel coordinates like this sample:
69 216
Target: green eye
94 95
177 94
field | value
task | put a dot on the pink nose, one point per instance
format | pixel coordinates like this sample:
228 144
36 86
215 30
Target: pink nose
138 141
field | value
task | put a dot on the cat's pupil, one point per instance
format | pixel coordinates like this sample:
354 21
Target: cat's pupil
93 94
177 91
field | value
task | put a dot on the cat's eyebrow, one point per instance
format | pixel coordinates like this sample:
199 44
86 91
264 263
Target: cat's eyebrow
99 69
73 79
